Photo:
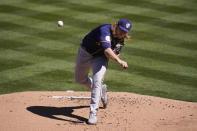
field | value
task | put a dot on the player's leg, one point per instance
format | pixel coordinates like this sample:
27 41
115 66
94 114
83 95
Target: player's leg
82 67
99 68
104 95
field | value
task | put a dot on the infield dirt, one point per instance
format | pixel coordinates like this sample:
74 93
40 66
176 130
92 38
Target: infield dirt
38 111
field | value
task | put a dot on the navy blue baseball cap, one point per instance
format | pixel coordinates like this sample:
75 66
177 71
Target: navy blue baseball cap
124 25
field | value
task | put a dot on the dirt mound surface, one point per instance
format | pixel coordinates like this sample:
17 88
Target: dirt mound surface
42 111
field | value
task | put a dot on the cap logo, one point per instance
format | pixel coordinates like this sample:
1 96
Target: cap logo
127 25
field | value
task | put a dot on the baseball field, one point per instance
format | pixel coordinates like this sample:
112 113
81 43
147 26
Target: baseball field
37 55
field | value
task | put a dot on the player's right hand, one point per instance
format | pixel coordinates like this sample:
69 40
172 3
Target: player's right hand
123 64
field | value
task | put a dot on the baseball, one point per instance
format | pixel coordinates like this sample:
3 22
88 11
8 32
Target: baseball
60 23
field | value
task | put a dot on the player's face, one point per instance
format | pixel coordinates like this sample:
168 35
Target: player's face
120 33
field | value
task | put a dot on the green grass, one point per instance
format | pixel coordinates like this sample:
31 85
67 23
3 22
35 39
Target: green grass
36 55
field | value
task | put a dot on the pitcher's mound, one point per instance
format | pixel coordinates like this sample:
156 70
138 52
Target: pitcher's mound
40 111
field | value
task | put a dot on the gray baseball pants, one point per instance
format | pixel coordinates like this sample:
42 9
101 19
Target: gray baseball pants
84 62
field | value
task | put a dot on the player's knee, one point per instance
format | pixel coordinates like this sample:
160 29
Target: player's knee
97 83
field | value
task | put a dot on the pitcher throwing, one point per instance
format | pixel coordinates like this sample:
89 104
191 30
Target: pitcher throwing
101 44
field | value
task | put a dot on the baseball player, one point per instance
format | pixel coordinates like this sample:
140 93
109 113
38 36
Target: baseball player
101 44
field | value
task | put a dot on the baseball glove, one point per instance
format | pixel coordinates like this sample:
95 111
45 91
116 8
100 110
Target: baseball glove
116 45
